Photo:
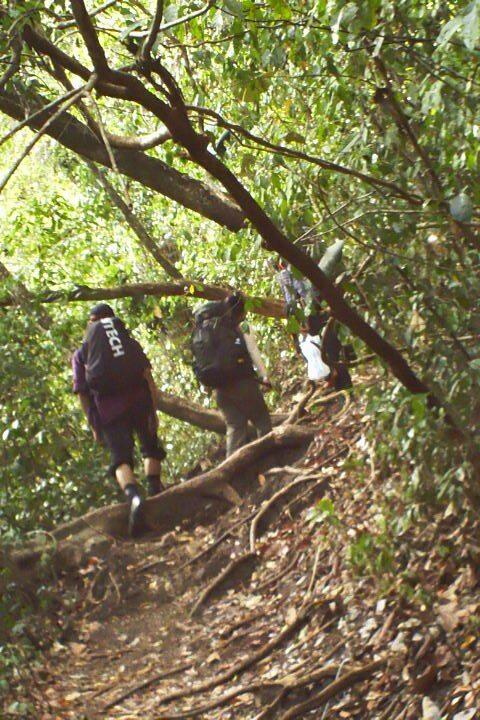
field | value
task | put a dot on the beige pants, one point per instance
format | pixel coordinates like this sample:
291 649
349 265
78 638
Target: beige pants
240 402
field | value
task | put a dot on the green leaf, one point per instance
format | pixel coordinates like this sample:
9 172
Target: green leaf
292 325
235 7
293 136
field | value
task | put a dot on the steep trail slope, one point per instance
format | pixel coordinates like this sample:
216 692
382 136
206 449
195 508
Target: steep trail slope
254 612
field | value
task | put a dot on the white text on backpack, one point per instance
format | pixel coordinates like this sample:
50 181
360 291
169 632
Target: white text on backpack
113 337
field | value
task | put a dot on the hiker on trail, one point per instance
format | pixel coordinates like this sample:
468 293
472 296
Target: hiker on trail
113 378
299 294
226 359
311 348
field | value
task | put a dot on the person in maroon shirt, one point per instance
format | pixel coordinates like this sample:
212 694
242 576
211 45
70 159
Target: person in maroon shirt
115 418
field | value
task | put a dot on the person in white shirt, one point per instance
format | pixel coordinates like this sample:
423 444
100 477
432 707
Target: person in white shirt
310 346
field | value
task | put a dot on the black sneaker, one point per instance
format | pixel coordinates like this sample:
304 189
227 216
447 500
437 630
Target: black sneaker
136 519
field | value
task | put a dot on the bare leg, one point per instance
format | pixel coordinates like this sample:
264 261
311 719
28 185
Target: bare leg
152 466
125 476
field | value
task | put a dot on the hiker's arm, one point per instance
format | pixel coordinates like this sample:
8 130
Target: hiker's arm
80 388
152 387
86 404
254 353
153 390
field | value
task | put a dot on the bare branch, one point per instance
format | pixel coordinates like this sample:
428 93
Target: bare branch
401 120
188 289
85 25
12 69
21 294
153 32
186 18
101 8
326 164
134 223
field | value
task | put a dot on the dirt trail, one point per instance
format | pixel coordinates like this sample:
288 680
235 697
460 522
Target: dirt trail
286 634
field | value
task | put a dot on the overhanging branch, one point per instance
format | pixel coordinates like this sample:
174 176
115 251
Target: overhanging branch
188 288
150 172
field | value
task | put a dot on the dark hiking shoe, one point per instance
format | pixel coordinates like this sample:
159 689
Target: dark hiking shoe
136 516
154 486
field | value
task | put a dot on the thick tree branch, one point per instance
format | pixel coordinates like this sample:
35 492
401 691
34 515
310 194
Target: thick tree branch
28 121
188 288
44 47
150 172
147 142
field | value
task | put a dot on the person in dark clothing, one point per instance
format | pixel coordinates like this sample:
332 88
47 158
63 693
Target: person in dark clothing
241 400
227 360
125 408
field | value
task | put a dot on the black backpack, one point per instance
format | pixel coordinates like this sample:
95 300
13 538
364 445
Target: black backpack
219 350
114 360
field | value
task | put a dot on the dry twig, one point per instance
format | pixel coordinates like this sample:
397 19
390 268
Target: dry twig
266 506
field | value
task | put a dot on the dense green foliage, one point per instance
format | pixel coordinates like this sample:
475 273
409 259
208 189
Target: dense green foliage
314 79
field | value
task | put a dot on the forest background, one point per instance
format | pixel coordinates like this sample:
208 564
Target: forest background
354 121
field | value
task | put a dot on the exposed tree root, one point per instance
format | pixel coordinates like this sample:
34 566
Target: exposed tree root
146 684
269 504
342 683
325 399
247 562
278 576
218 702
267 712
244 621
287 685
219 540
300 406
72 542
240 667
